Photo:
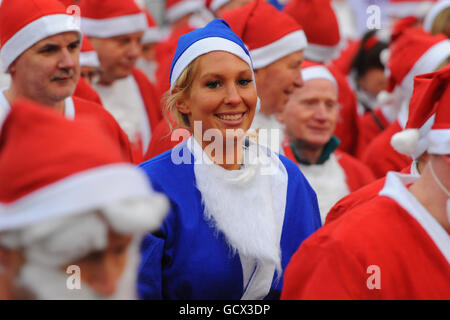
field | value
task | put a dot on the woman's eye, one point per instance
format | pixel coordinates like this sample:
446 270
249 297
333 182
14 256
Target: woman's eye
244 82
212 84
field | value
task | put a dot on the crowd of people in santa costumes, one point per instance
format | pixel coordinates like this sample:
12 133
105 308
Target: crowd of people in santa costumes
225 149
402 233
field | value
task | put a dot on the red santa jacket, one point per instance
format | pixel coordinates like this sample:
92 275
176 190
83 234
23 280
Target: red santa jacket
83 107
388 248
357 174
357 198
381 157
163 139
347 126
150 98
86 92
370 125
164 52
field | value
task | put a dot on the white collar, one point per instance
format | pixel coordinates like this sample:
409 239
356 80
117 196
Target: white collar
395 188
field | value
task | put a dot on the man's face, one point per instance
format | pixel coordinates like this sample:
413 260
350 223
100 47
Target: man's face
90 74
117 55
48 72
148 51
277 81
311 113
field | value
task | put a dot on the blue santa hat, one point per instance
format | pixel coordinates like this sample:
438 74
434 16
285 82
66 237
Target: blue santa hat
215 36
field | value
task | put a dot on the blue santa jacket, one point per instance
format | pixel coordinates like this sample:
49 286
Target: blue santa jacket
189 259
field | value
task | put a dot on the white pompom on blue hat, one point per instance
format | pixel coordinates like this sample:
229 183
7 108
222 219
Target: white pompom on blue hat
215 36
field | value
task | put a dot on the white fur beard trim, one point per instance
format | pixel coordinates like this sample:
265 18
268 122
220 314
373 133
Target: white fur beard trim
47 283
137 215
60 241
244 209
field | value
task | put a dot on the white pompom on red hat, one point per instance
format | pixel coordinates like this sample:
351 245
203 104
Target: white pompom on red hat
268 33
88 55
321 27
176 9
409 8
23 23
428 126
106 19
77 167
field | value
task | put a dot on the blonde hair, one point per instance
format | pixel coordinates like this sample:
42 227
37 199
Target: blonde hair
441 23
181 89
443 64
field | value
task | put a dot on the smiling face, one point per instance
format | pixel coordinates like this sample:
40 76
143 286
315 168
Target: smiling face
277 81
222 95
48 72
311 113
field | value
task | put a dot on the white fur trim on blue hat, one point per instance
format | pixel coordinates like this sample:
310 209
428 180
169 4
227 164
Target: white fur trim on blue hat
203 46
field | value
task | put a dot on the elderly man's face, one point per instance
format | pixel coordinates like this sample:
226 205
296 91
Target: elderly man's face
311 112
118 55
48 72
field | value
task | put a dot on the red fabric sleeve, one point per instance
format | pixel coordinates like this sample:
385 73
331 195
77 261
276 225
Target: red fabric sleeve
381 157
86 107
86 92
347 127
324 271
162 139
368 130
357 173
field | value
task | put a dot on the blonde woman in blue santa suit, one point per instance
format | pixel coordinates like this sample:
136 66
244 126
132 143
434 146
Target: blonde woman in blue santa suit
238 211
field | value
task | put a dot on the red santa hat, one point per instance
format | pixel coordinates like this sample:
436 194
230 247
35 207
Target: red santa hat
68 3
268 33
152 34
76 168
88 55
106 19
23 23
175 9
433 13
428 126
311 70
320 25
213 5
406 8
415 52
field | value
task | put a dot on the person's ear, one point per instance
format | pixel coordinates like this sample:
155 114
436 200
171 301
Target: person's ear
12 68
183 107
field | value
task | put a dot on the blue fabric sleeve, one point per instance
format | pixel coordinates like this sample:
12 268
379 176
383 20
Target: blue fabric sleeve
149 282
